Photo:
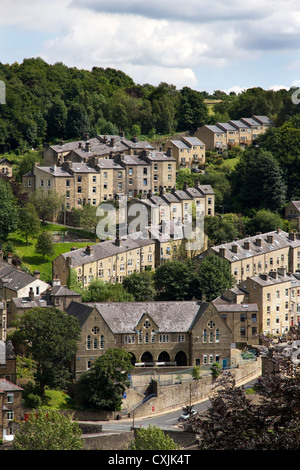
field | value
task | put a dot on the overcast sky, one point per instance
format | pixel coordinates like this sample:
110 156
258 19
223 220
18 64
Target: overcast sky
203 44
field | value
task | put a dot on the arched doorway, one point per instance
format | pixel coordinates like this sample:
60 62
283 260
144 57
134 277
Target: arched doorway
181 359
163 357
133 359
147 357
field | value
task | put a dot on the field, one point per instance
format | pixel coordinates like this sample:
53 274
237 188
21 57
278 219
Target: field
33 261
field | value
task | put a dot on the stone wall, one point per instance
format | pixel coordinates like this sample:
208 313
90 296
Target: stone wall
172 397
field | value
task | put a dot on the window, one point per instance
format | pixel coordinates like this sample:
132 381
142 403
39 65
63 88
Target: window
88 342
163 338
181 338
205 336
10 416
10 398
101 342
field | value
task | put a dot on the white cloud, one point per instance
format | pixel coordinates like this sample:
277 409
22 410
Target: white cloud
158 40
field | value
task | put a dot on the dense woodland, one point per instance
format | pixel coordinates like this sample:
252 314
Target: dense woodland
48 102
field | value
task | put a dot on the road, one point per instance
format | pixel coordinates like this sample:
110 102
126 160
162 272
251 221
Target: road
164 421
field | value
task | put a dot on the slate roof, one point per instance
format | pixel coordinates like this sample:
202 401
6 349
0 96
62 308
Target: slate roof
263 119
14 279
123 317
105 249
6 351
237 123
193 141
7 386
215 129
226 126
281 239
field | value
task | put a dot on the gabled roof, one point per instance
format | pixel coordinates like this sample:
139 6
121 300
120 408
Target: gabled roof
123 317
105 249
281 239
7 386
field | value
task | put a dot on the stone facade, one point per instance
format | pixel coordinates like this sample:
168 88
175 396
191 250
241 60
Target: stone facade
109 260
189 152
261 253
11 408
153 332
8 368
241 132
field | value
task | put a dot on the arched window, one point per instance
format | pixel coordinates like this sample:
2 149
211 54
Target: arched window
205 359
140 336
205 336
95 343
101 342
88 342
217 336
211 337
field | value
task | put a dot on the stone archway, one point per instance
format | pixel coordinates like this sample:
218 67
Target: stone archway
147 357
181 359
163 357
133 358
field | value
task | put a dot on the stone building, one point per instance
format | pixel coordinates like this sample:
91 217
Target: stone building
110 260
189 152
8 367
97 180
277 295
261 253
155 333
241 132
11 409
101 146
16 283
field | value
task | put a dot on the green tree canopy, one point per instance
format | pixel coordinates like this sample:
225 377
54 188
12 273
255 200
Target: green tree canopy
153 438
50 338
48 429
105 383
258 181
28 223
214 276
44 245
8 211
100 291
140 285
173 280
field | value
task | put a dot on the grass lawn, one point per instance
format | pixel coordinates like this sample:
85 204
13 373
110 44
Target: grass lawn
33 261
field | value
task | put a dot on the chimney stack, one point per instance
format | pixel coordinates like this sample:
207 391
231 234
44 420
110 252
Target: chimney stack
31 294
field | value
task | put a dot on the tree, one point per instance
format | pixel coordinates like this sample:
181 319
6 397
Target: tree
28 223
8 211
140 285
44 245
86 217
258 182
100 291
214 276
153 438
48 430
173 280
270 421
46 203
105 383
50 338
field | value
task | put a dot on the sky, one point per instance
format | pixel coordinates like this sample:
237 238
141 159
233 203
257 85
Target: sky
206 45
